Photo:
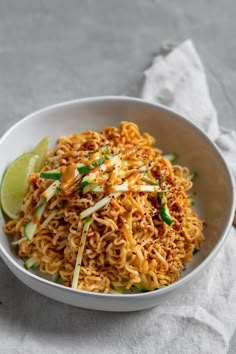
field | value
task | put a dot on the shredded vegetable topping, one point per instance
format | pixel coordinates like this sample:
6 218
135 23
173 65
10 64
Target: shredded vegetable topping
108 212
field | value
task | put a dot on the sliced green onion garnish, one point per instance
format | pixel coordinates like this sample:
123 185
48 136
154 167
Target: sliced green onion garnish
50 191
104 149
31 227
15 243
135 188
119 289
92 187
104 201
80 253
48 219
161 198
142 289
31 262
53 174
171 157
112 162
83 184
165 215
97 163
149 180
55 278
82 168
191 176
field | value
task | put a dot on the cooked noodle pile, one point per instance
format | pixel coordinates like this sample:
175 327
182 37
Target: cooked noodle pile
139 237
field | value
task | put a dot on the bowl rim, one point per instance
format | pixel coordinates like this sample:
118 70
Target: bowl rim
158 292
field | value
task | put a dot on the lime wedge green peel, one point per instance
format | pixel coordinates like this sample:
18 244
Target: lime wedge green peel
41 150
15 183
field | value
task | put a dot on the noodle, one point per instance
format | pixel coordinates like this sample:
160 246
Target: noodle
130 208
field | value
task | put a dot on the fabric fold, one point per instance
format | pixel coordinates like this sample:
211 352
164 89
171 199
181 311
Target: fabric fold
178 80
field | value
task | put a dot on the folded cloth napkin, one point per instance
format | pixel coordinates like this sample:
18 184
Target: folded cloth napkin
202 318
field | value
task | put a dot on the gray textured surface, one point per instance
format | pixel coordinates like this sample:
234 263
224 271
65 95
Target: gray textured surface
57 50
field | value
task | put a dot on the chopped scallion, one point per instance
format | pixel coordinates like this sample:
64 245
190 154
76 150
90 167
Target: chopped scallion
171 157
31 262
104 201
165 215
80 253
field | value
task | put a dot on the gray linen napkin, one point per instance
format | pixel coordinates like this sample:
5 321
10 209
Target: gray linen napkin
206 312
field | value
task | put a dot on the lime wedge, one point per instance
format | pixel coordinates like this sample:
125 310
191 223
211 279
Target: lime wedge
14 184
41 150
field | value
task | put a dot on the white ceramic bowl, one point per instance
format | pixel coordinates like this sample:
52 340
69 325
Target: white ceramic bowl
213 186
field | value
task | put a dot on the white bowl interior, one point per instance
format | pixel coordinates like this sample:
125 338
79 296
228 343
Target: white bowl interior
213 185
